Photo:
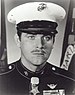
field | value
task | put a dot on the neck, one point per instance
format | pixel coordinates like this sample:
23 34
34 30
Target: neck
30 66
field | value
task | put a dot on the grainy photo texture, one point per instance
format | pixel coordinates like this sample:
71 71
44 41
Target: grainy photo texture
37 47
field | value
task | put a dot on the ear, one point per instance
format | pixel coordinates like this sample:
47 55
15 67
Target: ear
17 40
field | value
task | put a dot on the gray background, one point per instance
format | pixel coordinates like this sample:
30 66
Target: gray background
0 19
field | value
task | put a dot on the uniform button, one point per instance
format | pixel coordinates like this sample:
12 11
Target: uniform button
10 67
53 68
26 73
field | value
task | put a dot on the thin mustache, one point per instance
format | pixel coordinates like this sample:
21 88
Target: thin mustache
38 51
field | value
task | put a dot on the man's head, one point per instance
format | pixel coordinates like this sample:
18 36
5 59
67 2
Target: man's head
36 28
35 39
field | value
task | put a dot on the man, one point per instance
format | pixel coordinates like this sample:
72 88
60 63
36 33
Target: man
32 75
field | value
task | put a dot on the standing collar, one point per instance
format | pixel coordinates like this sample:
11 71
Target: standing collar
26 72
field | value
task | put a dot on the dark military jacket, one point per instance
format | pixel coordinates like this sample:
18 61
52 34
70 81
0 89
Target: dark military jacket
72 65
16 80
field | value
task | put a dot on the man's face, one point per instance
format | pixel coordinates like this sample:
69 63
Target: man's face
36 49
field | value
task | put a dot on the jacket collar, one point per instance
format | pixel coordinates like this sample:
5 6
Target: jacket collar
27 73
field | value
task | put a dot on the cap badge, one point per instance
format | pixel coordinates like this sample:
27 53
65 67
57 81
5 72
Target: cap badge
41 7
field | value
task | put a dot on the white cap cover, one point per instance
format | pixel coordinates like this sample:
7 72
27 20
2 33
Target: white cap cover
36 11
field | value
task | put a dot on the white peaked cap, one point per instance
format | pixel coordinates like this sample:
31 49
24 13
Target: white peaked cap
36 11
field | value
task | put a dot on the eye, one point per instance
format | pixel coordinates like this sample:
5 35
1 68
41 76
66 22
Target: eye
48 37
31 37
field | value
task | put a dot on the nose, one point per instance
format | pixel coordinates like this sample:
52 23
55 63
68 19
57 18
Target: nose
40 43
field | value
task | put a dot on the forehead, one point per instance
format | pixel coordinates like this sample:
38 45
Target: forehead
39 34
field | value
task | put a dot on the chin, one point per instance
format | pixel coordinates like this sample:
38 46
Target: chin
38 62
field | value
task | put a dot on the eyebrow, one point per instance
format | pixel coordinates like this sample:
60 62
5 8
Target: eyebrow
44 34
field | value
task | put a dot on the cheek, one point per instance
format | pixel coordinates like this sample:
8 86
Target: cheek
26 46
49 47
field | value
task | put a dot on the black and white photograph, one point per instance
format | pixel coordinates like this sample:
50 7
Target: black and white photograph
37 47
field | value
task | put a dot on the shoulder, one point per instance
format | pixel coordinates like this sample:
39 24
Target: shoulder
65 74
10 68
72 65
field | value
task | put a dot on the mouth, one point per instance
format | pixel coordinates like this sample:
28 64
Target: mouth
38 53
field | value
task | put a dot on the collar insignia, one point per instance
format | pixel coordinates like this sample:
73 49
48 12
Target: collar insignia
26 73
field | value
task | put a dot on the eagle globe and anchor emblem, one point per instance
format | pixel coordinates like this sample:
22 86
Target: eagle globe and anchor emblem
41 7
